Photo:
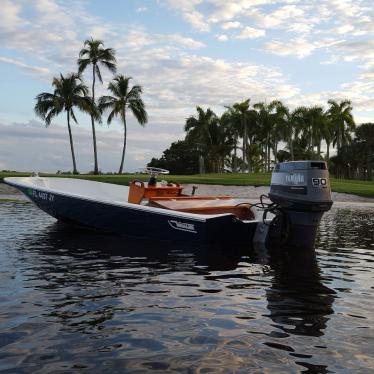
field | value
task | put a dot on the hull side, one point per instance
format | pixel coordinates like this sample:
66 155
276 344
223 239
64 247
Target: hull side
141 222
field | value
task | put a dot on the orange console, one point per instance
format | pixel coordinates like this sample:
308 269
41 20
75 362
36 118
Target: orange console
140 190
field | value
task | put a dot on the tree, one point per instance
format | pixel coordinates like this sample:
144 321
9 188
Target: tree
291 123
328 135
278 126
69 92
93 53
232 118
316 121
198 131
341 118
267 117
220 144
124 98
180 158
242 109
365 140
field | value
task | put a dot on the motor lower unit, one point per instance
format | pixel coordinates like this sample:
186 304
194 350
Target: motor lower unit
300 192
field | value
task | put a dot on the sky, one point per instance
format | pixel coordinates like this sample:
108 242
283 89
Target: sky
184 53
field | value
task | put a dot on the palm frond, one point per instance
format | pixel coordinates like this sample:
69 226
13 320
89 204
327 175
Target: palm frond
71 111
111 116
83 52
82 64
51 114
98 73
106 102
111 66
137 108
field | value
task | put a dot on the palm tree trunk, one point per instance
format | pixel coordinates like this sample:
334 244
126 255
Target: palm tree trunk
124 143
338 141
368 167
249 156
96 167
319 145
201 164
328 151
244 144
268 153
290 146
275 149
235 166
75 171
264 157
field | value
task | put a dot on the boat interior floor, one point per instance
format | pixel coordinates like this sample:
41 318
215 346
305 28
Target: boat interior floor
204 205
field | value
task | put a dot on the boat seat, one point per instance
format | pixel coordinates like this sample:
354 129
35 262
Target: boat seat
204 205
141 190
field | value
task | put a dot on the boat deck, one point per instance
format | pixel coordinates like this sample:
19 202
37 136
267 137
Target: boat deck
205 205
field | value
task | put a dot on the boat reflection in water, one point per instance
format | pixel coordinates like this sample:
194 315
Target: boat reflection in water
75 299
298 301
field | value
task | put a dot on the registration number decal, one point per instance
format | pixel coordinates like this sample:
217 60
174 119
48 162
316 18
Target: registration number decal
38 195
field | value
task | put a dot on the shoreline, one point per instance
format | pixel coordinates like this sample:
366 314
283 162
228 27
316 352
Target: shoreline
8 193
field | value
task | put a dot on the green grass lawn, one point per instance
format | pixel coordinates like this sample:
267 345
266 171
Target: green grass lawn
362 188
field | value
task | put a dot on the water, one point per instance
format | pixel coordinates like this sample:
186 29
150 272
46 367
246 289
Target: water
76 301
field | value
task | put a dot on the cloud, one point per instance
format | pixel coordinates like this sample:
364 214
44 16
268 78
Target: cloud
53 147
228 10
300 46
9 16
37 69
141 9
231 25
222 37
250 33
187 42
188 11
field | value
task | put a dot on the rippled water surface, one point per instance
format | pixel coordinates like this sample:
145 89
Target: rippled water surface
77 301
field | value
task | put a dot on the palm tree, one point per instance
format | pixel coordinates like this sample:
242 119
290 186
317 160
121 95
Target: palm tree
278 125
341 117
365 139
124 98
221 142
231 118
69 92
267 117
198 132
316 122
242 109
328 136
291 122
93 53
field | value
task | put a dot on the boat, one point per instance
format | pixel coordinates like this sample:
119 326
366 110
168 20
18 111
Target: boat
160 210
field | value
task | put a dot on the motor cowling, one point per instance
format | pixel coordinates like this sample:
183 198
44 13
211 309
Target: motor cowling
301 190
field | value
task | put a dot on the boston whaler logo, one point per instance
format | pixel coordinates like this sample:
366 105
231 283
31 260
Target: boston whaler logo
296 178
177 225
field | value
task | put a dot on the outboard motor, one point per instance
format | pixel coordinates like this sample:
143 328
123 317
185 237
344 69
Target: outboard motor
300 192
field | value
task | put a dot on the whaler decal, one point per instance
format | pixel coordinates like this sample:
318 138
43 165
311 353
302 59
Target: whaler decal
177 225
